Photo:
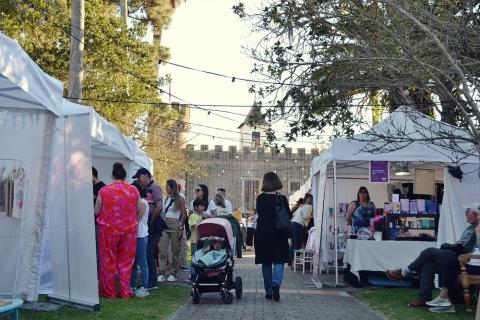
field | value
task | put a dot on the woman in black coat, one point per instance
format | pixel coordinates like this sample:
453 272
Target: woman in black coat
271 245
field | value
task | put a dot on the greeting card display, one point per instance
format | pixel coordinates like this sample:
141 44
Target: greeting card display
413 207
421 205
396 207
404 206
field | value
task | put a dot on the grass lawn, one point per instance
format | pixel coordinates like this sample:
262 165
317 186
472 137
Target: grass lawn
392 303
160 304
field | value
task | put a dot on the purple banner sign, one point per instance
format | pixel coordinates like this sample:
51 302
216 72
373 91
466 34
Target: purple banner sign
379 172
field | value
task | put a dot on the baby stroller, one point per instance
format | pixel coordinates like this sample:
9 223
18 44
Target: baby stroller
214 261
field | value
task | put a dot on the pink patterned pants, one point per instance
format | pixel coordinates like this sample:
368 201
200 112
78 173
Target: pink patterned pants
116 256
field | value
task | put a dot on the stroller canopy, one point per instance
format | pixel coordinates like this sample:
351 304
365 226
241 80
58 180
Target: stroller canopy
215 227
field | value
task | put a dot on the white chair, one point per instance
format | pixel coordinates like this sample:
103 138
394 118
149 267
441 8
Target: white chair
302 257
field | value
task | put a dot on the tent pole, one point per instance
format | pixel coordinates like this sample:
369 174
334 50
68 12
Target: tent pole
335 235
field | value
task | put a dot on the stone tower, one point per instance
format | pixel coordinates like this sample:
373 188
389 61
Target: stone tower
252 129
180 129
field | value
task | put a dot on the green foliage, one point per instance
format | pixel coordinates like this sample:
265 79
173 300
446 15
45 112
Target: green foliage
118 64
392 303
342 54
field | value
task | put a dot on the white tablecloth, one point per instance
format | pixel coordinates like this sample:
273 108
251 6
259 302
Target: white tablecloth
370 255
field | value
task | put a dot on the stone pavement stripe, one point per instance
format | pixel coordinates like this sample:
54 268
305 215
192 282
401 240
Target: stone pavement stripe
309 292
298 300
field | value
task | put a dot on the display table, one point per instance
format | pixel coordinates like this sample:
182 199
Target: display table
370 255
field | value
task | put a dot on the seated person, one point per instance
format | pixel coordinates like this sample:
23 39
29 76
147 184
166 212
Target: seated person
443 261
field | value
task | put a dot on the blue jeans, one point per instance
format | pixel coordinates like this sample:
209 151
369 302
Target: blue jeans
140 260
193 249
270 278
152 268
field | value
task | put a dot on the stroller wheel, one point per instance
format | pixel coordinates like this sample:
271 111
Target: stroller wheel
195 296
227 298
238 287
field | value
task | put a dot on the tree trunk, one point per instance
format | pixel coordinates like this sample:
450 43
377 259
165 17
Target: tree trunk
157 135
75 74
124 10
449 105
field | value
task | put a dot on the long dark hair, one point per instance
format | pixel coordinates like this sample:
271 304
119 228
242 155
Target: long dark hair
219 200
175 195
361 190
204 194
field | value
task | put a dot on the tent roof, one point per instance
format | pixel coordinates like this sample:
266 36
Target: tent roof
23 84
414 125
107 139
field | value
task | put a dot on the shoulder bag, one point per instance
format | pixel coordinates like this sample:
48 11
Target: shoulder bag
282 220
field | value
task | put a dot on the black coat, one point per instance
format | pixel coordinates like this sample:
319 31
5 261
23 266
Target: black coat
271 246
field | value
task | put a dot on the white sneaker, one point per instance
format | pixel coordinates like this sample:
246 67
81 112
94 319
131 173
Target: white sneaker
439 302
450 309
141 292
161 278
171 278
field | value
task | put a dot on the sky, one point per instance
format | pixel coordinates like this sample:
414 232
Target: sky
205 34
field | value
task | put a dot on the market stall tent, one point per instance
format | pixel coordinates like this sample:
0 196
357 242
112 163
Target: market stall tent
82 138
300 193
344 167
30 101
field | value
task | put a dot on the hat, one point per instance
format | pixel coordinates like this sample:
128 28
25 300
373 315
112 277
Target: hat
142 171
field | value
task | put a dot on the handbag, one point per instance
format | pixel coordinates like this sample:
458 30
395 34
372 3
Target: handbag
282 221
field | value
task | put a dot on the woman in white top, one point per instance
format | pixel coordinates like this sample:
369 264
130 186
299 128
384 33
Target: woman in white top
174 216
300 219
141 254
201 192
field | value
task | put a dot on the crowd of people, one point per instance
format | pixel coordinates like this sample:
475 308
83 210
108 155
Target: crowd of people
138 228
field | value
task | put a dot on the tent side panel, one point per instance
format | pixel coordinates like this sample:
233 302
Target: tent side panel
80 219
55 251
456 194
24 157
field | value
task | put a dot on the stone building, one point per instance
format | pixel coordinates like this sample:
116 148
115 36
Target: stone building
240 170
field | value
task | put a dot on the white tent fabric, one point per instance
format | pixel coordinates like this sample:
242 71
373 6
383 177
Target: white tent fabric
83 137
29 101
300 193
350 157
355 149
23 84
457 194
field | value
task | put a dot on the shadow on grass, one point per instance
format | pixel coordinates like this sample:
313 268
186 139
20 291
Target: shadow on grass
160 304
392 304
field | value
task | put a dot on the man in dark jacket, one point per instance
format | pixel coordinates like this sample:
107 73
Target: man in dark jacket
443 261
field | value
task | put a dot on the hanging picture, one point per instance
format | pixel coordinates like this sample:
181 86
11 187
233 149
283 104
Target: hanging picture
379 172
424 181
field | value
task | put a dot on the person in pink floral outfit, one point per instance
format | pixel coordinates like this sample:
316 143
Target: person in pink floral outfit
118 209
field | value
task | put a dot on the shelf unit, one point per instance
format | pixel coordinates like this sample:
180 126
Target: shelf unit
396 221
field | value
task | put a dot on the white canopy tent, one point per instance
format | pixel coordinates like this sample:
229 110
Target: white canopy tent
83 137
30 101
300 193
344 167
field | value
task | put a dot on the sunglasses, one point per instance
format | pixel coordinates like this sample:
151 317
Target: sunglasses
198 190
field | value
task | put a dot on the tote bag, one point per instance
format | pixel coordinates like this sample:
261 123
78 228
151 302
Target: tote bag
282 220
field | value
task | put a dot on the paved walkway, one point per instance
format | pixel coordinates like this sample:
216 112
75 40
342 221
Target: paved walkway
298 300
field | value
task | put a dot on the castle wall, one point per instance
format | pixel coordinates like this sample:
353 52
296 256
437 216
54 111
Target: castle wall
240 172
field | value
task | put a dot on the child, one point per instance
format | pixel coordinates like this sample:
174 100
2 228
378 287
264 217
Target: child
194 219
141 253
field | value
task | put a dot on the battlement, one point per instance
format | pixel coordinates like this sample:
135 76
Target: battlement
259 153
